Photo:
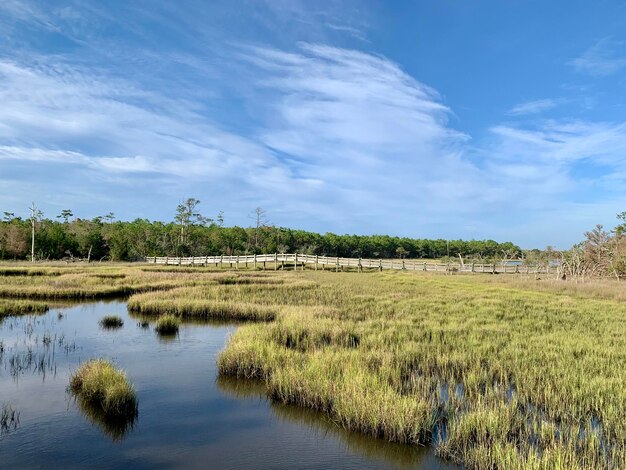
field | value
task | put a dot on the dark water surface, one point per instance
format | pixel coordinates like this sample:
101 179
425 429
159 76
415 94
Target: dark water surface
188 417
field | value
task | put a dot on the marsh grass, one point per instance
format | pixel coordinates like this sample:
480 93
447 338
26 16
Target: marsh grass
494 371
10 307
100 384
9 419
167 325
111 322
494 374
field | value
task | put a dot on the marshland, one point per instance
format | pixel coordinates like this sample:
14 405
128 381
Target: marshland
480 370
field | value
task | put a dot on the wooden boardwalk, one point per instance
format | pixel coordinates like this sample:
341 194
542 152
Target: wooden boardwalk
293 261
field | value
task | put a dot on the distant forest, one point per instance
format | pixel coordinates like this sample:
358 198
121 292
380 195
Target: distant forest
192 234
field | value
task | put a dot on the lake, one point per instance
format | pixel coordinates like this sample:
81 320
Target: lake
188 416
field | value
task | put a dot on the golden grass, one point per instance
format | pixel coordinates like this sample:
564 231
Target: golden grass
10 307
99 383
497 376
167 325
495 371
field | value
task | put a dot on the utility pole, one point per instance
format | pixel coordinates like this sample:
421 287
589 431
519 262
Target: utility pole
33 213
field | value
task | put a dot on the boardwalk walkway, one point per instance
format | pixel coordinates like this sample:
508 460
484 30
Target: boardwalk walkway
295 261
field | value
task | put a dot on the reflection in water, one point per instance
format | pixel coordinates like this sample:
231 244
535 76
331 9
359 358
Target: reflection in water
400 455
115 427
167 337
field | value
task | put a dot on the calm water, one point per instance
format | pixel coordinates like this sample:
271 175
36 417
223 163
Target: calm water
187 416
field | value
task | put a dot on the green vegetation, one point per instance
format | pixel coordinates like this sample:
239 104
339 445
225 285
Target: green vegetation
496 376
191 234
100 384
167 325
111 321
20 307
90 282
494 371
201 302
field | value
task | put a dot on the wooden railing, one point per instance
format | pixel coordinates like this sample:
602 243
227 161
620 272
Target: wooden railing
294 261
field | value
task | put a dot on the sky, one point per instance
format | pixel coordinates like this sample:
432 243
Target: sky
499 120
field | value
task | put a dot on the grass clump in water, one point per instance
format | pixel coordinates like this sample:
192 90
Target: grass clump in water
111 321
9 419
167 325
100 384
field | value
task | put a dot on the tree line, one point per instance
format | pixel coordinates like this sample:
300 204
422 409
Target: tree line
193 234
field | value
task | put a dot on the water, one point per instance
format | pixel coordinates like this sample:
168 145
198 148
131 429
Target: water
188 417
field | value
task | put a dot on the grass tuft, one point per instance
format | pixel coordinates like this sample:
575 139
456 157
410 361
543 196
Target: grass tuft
100 384
167 325
111 321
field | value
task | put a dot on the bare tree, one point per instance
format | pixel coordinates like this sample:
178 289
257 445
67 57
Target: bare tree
260 220
35 216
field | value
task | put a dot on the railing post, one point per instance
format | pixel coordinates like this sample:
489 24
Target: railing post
316 261
275 261
295 262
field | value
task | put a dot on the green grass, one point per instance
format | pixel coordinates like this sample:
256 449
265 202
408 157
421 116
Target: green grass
10 307
100 384
199 302
494 371
111 321
167 325
516 378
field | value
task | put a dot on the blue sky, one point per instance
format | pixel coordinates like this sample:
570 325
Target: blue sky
445 119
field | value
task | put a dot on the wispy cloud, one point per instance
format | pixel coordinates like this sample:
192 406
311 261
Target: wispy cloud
533 107
324 137
601 59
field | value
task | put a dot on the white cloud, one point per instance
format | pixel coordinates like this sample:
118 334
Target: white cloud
533 107
600 60
341 140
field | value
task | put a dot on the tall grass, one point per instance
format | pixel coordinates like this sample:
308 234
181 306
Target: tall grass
100 384
494 371
21 307
496 376
167 325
